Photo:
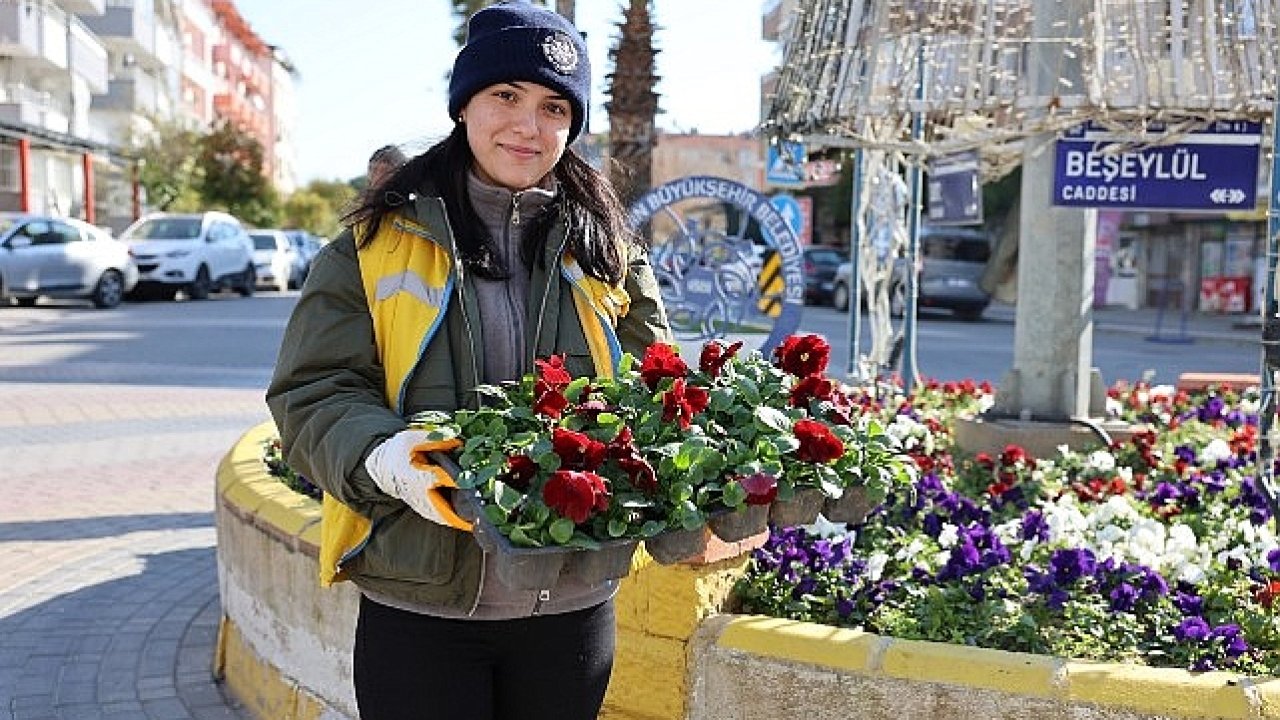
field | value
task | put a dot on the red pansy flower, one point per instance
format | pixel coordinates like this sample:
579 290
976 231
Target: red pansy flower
817 443
576 495
520 471
761 488
682 401
715 355
661 361
803 355
577 451
548 389
812 387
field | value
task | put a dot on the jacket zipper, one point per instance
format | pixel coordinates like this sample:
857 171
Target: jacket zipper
515 207
553 275
475 374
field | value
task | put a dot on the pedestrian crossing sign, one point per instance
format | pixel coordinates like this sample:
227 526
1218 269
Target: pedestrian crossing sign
784 163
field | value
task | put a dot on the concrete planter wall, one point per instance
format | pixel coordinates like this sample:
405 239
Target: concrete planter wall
285 643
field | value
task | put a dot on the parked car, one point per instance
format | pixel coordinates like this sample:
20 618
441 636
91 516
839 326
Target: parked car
307 247
275 260
198 253
62 258
951 265
820 265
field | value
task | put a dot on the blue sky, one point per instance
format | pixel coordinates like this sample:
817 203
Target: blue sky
376 77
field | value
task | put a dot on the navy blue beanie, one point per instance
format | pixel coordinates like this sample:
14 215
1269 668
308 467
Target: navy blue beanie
514 40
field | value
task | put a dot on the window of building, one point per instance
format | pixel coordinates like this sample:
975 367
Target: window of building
10 176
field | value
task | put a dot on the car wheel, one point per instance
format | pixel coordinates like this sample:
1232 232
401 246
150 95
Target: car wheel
109 291
248 281
26 301
200 287
898 300
840 297
969 314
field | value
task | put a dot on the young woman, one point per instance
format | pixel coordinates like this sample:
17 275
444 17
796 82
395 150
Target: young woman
496 246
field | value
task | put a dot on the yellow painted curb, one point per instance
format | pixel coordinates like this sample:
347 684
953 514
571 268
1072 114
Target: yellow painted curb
243 482
259 685
1163 691
839 648
1020 673
1167 692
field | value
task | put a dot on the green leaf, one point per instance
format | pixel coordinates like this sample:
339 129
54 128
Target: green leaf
561 530
772 419
733 494
617 527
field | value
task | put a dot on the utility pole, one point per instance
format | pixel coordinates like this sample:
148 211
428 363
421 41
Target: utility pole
1051 378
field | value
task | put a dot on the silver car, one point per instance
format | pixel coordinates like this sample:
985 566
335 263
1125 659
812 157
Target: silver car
43 256
951 264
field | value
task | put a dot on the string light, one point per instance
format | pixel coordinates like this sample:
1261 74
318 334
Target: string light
850 71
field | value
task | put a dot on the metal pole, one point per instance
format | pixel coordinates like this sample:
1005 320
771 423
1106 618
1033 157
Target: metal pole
910 374
1270 332
855 274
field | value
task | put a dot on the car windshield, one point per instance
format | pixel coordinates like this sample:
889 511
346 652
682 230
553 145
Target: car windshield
172 228
263 242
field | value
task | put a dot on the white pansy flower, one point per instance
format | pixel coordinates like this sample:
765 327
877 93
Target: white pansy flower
910 551
875 565
950 533
824 528
1110 534
1101 460
1217 450
1162 392
1113 407
1249 406
985 403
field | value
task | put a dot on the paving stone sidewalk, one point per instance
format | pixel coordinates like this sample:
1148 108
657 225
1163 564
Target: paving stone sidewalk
109 595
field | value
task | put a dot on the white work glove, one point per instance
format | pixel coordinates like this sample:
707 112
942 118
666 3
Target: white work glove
402 468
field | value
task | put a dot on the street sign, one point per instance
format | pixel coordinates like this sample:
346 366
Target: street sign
784 164
955 193
1211 168
794 212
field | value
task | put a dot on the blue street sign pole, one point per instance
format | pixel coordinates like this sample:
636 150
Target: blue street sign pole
1270 332
910 374
855 275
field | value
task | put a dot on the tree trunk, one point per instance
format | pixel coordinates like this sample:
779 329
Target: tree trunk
633 104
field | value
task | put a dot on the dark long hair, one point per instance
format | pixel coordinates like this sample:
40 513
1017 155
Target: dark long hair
595 220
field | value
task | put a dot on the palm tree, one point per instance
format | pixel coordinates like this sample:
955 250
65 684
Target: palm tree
633 104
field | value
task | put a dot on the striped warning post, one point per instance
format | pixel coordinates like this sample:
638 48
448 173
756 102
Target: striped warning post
771 285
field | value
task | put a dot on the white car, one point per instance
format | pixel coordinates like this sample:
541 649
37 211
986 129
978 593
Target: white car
275 260
62 258
197 253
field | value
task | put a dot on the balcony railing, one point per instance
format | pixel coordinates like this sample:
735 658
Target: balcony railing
88 56
24 104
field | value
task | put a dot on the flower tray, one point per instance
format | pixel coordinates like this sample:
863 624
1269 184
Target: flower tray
801 509
739 524
524 568
676 546
851 507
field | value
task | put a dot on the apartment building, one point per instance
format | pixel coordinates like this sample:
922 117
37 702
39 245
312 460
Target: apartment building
83 82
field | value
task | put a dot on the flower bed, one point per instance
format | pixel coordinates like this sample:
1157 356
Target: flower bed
1158 551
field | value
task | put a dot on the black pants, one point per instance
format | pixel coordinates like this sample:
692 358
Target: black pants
416 667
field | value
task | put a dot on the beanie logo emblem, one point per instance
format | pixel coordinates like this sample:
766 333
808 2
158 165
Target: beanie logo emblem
560 52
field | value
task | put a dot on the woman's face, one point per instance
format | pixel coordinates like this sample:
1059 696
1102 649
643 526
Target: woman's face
517 132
